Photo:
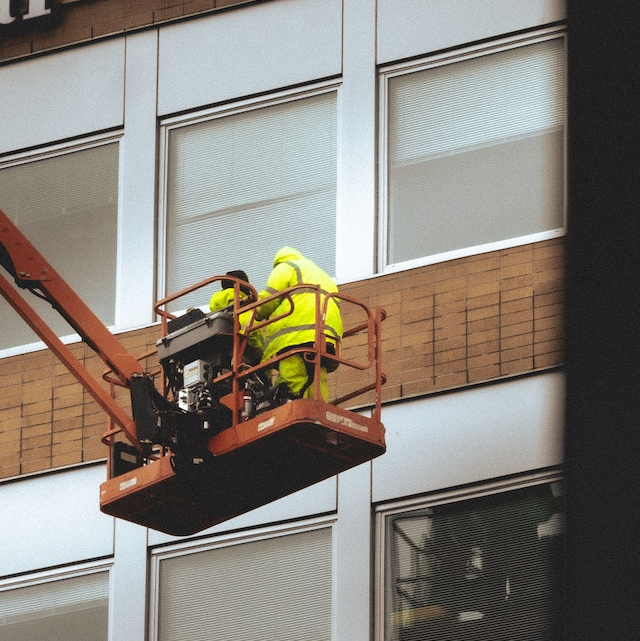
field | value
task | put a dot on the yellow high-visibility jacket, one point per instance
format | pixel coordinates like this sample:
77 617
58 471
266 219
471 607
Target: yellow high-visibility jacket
224 298
291 268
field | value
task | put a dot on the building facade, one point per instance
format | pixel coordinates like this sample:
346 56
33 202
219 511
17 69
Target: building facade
415 150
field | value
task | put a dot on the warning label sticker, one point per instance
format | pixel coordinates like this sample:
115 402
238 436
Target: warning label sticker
265 425
346 421
125 485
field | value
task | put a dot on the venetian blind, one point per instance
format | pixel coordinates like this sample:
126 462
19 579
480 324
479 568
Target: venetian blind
277 588
477 102
476 152
242 186
63 609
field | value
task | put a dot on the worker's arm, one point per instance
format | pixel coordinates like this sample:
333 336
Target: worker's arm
221 299
281 277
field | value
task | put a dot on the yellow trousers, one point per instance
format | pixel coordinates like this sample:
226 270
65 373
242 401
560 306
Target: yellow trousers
293 372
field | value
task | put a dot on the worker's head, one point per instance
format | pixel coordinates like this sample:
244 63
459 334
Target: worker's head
286 253
239 274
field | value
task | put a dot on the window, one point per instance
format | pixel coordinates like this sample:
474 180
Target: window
270 588
488 567
241 185
475 152
67 206
66 609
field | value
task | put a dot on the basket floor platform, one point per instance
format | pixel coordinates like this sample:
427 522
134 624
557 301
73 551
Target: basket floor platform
254 463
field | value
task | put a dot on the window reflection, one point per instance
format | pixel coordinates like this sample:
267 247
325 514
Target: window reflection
485 568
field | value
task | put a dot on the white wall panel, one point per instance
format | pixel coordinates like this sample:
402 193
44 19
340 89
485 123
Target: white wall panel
471 435
248 50
58 96
415 27
53 519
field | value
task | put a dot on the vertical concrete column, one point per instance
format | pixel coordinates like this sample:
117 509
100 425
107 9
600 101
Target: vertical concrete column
353 584
356 206
136 227
128 584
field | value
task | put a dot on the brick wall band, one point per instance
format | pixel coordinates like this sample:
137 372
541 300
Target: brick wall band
448 325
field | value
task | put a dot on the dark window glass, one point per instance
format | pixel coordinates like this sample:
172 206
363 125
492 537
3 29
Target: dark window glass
487 568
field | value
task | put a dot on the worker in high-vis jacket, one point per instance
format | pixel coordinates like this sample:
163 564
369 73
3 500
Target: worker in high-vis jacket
224 299
226 295
298 329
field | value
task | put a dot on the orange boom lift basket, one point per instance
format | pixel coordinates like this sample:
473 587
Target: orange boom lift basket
208 436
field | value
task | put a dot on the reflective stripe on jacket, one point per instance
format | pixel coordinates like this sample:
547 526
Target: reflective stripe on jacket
292 268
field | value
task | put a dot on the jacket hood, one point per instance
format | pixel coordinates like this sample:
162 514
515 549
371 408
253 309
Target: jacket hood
286 253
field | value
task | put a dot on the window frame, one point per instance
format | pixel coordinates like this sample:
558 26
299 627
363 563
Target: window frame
225 540
459 54
43 577
232 108
384 511
53 151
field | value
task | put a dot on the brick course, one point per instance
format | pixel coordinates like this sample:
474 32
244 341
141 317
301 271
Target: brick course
448 325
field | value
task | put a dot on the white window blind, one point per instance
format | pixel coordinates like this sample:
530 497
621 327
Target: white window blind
71 609
67 206
475 151
277 588
241 186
